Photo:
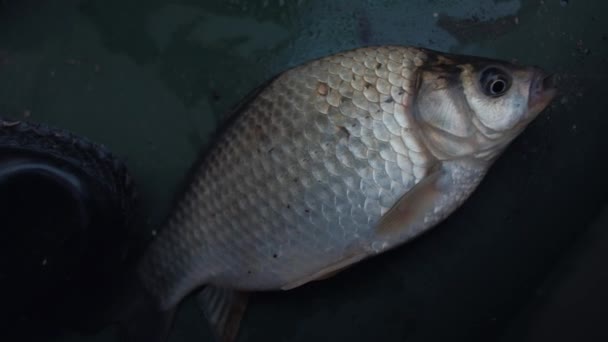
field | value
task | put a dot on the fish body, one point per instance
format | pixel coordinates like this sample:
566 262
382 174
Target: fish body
332 162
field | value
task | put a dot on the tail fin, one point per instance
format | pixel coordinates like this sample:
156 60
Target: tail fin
139 314
135 311
146 323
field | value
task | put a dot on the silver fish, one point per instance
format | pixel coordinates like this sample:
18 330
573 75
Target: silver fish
332 162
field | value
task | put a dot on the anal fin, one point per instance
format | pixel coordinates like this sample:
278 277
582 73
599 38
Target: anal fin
223 309
330 270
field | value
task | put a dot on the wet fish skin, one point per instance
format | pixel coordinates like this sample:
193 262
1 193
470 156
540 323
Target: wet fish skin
334 161
296 163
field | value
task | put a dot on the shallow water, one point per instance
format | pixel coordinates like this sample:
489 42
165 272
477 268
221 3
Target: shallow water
151 80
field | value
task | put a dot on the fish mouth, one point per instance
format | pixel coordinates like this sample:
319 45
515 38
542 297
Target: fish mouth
543 89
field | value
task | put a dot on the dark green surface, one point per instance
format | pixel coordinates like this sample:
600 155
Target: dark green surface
151 79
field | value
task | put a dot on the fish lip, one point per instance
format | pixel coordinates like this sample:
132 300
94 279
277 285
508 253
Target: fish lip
543 90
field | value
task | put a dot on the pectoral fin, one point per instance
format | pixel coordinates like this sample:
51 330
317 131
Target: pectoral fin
412 207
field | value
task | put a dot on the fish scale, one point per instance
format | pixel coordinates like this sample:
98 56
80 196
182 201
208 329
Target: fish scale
270 232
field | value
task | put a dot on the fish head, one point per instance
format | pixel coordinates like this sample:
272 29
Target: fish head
476 106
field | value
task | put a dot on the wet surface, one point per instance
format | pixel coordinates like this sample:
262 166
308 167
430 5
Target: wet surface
473 29
152 81
571 302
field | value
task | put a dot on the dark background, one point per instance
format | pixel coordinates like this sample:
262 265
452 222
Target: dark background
523 260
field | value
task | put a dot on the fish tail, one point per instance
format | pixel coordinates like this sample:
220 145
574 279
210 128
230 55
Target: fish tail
135 311
145 321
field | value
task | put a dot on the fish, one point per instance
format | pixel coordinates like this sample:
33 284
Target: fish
331 162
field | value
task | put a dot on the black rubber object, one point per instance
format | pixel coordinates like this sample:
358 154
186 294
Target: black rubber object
66 210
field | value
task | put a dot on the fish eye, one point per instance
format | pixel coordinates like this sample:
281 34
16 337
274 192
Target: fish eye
494 81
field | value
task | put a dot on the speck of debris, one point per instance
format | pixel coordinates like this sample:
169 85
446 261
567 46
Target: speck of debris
580 47
44 262
97 68
563 3
215 96
307 211
275 255
72 61
516 20
288 206
154 232
27 113
5 123
435 14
